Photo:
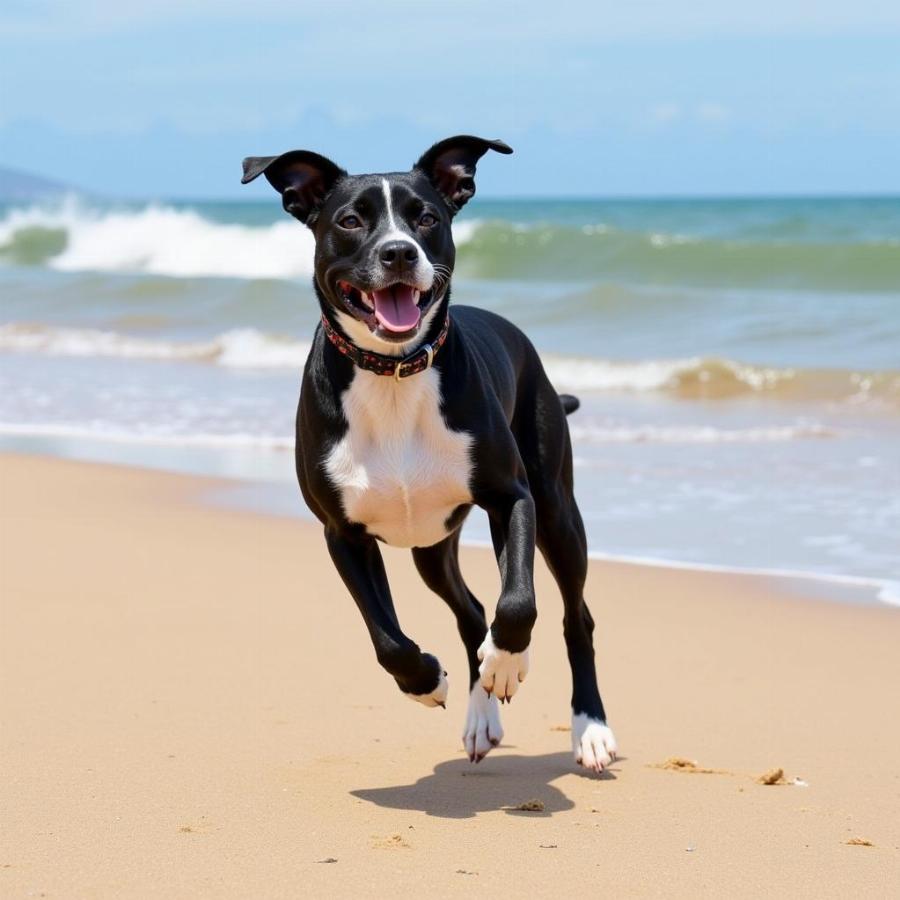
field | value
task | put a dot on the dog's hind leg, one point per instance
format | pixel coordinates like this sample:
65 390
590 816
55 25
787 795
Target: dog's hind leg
439 567
561 539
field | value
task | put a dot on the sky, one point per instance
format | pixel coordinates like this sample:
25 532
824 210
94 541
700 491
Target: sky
685 97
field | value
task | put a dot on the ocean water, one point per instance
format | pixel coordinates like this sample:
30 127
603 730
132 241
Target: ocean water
738 361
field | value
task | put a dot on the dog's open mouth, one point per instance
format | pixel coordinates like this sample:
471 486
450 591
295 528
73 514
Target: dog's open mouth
396 309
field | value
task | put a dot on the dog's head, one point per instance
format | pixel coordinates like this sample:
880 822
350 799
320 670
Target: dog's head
384 248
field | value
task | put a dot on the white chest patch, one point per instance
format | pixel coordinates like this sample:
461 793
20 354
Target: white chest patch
399 469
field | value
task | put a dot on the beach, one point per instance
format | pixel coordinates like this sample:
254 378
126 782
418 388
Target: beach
736 359
191 708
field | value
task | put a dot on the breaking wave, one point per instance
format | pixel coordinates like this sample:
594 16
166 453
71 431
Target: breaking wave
598 252
153 240
709 378
690 378
161 239
243 348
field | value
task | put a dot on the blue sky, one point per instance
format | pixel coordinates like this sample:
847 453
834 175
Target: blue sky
643 98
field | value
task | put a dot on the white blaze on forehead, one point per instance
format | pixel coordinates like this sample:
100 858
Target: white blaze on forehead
424 270
386 189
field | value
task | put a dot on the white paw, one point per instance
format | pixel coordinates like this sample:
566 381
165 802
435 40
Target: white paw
593 742
483 730
500 670
438 697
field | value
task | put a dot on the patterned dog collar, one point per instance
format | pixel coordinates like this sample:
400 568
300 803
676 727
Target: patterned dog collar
418 361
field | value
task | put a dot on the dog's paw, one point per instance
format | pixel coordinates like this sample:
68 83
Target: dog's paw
437 697
483 730
501 671
593 742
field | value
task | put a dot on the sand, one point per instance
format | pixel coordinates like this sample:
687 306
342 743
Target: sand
191 708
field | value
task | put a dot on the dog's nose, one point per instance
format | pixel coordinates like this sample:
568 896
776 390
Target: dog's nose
396 256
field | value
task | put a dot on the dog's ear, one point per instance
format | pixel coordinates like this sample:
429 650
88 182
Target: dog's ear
303 179
450 166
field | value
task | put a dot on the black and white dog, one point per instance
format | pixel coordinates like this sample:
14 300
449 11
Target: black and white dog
410 413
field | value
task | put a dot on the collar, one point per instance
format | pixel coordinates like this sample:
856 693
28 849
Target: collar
417 361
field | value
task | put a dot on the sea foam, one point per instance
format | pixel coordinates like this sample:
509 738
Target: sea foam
159 239
688 378
162 240
240 348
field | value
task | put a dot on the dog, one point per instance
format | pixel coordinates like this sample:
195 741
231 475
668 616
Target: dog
411 413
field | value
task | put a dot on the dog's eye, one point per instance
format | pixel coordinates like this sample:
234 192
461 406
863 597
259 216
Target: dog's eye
350 222
427 220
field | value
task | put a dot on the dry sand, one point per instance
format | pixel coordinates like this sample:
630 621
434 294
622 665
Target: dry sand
191 708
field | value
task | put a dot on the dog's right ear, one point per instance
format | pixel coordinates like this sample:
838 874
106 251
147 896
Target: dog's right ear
303 179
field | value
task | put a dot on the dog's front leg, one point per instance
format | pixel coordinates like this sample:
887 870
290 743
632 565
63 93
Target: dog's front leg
358 560
504 653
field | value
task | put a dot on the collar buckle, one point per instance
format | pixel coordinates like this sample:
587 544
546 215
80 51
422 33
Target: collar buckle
429 359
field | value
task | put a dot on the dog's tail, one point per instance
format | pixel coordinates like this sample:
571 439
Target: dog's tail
569 403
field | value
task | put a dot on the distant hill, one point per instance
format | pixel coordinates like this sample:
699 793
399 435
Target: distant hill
16 186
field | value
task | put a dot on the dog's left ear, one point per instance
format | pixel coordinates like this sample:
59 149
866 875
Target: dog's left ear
303 179
450 166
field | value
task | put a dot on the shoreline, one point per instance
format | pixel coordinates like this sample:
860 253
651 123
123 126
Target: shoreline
191 707
854 589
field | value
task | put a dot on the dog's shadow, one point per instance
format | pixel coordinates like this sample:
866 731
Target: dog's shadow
458 789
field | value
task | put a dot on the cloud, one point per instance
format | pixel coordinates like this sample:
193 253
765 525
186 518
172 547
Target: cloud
709 111
664 113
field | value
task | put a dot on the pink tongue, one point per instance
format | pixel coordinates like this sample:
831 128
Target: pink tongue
395 307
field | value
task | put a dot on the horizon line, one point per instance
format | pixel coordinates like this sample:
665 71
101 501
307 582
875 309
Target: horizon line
500 198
